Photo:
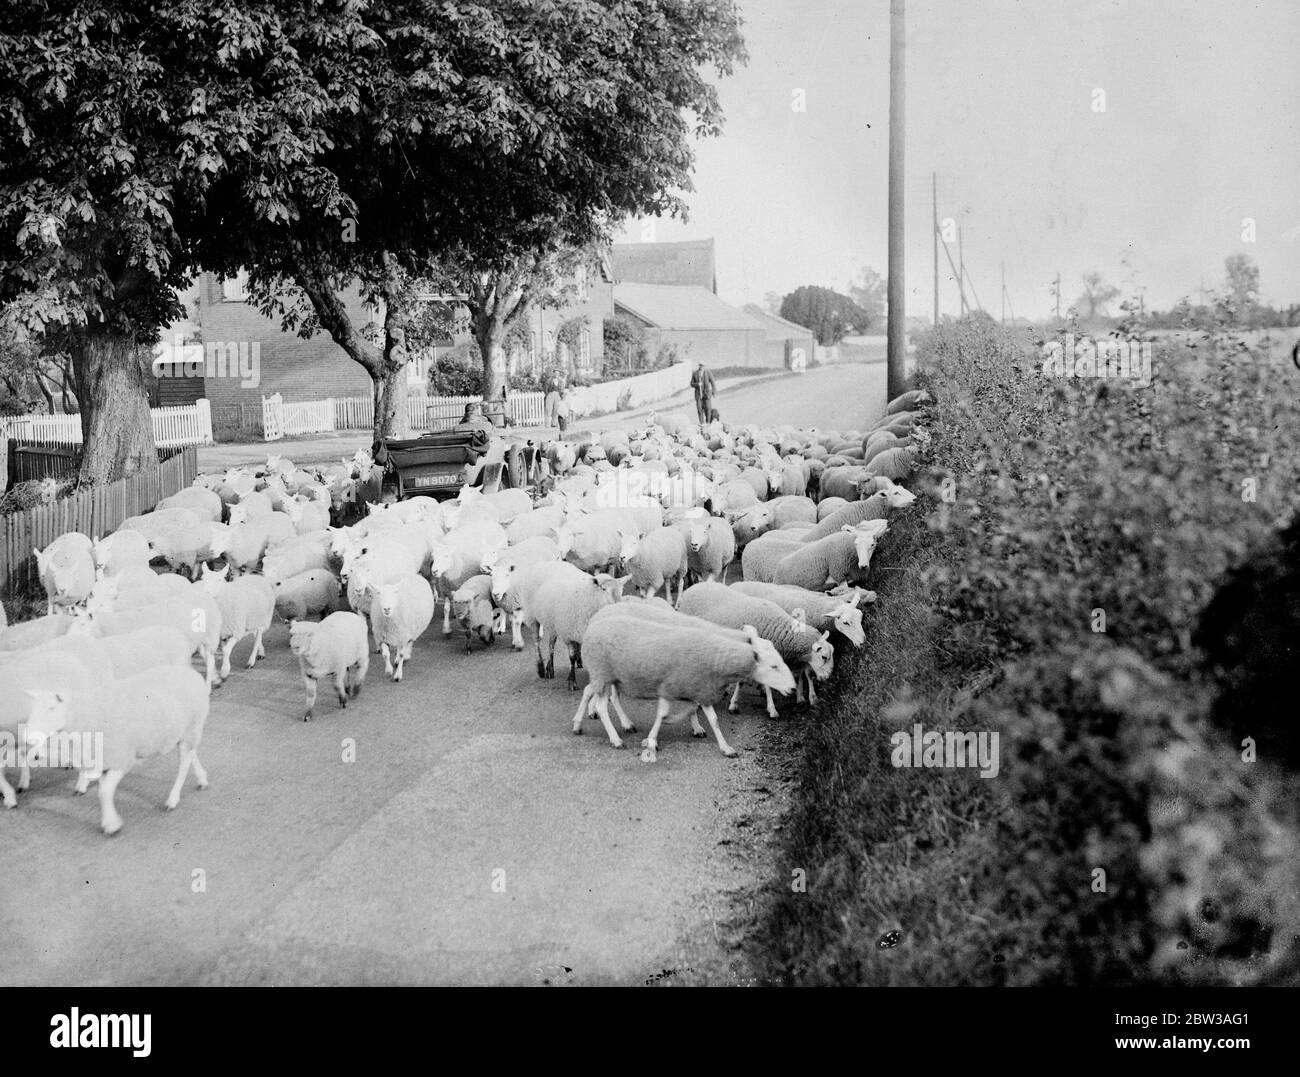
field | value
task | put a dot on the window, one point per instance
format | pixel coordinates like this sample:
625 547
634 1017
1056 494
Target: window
580 276
235 289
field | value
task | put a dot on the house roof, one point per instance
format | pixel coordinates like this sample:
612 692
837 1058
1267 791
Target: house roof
778 328
687 262
670 306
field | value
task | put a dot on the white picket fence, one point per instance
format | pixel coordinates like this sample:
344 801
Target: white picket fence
443 412
190 425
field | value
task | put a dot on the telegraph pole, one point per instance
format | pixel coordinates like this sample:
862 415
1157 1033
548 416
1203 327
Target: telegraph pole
934 196
961 271
896 349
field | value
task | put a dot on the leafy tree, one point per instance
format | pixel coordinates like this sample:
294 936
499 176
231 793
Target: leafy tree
624 342
481 140
1241 287
1096 297
869 293
830 315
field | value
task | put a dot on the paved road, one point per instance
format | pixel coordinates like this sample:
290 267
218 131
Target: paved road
448 829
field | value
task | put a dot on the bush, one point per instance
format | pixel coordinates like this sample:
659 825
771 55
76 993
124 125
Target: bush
624 344
458 373
1077 531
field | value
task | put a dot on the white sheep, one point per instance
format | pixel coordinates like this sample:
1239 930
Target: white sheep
183 548
247 605
602 540
204 503
710 545
19 673
24 635
660 559
133 719
519 583
307 516
315 592
126 655
194 614
807 653
822 612
136 588
400 611
877 506
748 524
472 607
67 569
839 558
560 610
335 647
670 664
297 555
120 551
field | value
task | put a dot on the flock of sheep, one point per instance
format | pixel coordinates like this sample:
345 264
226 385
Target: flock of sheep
580 561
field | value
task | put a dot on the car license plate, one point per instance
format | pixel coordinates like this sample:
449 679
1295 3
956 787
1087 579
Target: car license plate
435 480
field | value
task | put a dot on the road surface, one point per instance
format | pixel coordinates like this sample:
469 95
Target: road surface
445 830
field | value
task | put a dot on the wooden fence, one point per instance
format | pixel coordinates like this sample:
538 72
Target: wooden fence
96 511
190 425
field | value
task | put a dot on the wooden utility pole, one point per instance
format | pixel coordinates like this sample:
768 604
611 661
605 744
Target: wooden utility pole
896 349
934 197
961 272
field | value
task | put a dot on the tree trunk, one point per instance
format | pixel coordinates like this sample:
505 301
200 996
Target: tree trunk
488 334
392 416
116 426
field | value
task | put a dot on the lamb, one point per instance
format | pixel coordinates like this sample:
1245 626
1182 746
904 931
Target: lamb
806 652
561 608
67 569
502 570
119 551
27 634
472 607
843 481
464 554
315 592
399 613
247 605
822 612
838 558
669 663
711 546
19 673
659 560
196 615
142 716
875 507
335 647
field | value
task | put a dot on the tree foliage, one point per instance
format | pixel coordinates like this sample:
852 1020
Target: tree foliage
830 315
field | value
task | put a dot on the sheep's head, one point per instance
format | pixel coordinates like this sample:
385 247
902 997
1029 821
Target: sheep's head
628 544
238 515
101 550
821 659
697 529
769 670
302 634
564 539
441 558
386 597
47 717
864 542
898 497
847 619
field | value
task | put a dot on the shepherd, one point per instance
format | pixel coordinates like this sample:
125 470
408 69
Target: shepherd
705 390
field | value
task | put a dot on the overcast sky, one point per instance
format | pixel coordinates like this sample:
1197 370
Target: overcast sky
1200 130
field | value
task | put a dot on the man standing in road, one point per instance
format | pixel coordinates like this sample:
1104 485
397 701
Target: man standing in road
705 390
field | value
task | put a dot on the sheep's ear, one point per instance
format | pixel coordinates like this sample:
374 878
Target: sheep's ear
848 527
857 597
826 635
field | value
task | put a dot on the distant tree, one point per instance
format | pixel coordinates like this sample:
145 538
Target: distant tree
1241 285
772 302
830 315
869 293
1096 297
